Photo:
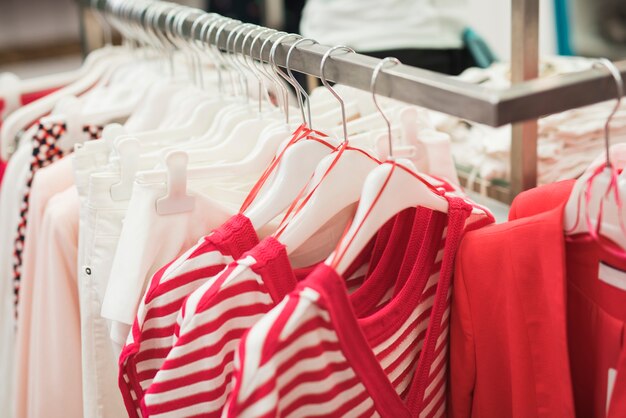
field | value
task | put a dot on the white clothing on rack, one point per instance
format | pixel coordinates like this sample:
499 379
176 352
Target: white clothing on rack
15 175
100 226
149 240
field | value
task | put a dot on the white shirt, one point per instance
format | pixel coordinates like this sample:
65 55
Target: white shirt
375 25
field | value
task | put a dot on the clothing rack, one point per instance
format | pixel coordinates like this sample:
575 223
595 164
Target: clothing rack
522 102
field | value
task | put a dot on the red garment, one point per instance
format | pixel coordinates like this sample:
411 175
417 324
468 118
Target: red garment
195 377
151 337
533 329
596 313
3 167
321 353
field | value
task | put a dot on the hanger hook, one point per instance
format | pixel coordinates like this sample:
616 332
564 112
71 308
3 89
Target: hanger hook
272 60
272 76
619 84
255 71
332 91
232 37
300 91
259 64
185 46
221 55
203 20
213 51
379 68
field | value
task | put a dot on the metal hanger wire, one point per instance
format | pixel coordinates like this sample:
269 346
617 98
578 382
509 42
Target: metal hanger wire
258 64
325 58
272 61
281 88
300 91
379 68
253 68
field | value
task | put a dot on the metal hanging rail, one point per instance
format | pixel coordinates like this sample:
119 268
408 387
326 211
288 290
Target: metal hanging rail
524 101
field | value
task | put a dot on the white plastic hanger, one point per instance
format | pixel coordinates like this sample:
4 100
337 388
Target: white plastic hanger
121 84
177 199
96 65
390 188
295 167
336 183
227 117
261 154
249 155
596 186
252 163
246 134
131 153
10 93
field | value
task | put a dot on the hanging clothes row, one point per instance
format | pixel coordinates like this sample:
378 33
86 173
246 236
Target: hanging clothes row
186 232
170 199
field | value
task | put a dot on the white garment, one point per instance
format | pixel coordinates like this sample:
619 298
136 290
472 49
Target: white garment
375 25
103 227
53 381
149 240
13 184
100 226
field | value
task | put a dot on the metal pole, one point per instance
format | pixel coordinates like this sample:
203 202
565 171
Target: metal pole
84 47
494 107
524 66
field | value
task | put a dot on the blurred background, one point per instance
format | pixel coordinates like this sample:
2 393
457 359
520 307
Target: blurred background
54 35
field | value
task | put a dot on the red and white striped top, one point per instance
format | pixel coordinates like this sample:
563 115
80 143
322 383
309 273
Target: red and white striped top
195 378
150 339
317 354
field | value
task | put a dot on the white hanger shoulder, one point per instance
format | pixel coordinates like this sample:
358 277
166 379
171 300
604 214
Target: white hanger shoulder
294 170
336 184
26 115
389 189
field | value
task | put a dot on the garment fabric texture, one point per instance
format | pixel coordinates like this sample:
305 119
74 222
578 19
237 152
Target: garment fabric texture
17 172
45 151
48 146
47 182
100 226
535 361
141 242
6 109
153 331
313 352
52 385
3 167
195 376
263 273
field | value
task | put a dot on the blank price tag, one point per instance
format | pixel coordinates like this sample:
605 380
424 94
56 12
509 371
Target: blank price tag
609 387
